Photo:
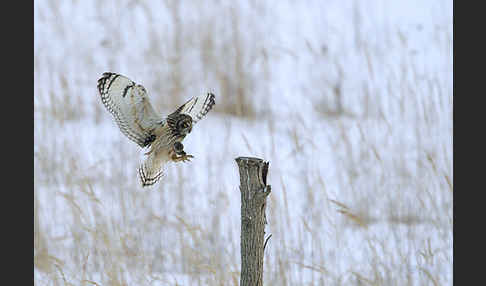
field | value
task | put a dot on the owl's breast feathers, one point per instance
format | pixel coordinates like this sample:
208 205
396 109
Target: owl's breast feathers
165 137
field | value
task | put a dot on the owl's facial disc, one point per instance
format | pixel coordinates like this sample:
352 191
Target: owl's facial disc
184 124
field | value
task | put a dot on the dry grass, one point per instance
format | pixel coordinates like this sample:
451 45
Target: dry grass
360 162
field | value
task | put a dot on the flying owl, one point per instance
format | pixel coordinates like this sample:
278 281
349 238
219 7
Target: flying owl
130 106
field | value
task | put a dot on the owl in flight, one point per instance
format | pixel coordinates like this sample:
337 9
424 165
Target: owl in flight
129 104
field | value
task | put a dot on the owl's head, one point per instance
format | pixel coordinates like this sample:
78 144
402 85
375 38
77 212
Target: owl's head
180 124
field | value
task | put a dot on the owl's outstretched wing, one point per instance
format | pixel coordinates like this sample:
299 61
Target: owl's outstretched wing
130 106
197 107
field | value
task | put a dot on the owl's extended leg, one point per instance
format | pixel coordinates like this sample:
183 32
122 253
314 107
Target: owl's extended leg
178 154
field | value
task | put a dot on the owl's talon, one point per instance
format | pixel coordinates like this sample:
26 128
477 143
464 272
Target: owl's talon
187 158
183 157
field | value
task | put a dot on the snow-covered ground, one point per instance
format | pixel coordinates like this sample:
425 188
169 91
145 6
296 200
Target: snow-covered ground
350 101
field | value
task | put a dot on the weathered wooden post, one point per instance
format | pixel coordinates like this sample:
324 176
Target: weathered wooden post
254 191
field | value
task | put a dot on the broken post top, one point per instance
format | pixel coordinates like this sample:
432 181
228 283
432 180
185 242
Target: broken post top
249 160
252 162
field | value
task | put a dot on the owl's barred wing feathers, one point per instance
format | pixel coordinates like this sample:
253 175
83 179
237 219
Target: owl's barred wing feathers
151 170
130 106
197 107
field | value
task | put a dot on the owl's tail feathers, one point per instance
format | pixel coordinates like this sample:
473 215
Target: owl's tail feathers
150 173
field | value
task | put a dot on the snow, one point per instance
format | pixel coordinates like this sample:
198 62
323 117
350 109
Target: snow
385 158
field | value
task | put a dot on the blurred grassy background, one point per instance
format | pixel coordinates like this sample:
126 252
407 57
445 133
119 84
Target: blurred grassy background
350 101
